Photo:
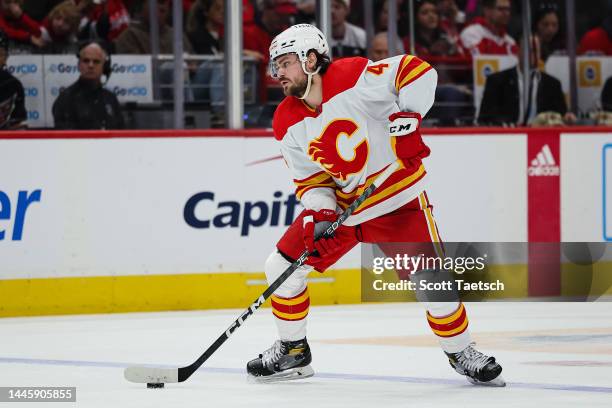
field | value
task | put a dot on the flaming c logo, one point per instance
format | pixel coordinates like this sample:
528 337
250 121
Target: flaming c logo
325 149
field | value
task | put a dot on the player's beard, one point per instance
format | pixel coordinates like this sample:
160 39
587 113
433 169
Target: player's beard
297 89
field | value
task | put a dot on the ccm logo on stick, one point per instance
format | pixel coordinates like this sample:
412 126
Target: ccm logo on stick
234 214
23 202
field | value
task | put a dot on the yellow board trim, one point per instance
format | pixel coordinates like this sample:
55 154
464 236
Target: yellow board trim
147 293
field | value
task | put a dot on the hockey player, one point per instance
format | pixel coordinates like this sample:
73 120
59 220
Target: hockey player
340 125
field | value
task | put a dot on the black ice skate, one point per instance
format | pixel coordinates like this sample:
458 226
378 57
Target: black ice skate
285 360
478 368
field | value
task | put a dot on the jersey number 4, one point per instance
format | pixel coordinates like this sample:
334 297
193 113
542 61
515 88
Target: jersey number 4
377 69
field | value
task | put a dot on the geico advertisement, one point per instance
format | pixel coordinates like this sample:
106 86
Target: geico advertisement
189 205
29 70
586 187
131 79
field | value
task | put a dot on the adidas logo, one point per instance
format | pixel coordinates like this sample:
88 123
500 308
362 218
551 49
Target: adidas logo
544 164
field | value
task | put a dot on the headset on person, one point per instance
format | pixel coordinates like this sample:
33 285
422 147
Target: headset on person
107 68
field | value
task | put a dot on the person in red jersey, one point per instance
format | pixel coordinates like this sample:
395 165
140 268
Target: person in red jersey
341 124
487 34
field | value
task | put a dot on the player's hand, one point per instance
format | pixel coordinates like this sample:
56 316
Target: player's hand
327 246
311 218
404 123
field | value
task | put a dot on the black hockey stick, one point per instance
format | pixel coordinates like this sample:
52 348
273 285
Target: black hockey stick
174 375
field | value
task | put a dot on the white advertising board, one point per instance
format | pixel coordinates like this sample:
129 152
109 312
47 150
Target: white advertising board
29 70
586 185
105 207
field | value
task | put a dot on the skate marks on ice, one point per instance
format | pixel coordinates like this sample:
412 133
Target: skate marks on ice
318 375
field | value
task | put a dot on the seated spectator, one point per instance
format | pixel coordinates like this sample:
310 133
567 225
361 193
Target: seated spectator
59 29
136 38
205 26
606 95
546 28
347 40
18 26
379 47
306 11
39 9
452 20
103 19
381 19
503 102
598 41
431 40
487 34
13 113
86 104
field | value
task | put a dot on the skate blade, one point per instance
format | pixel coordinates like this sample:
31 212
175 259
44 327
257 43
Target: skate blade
288 375
496 382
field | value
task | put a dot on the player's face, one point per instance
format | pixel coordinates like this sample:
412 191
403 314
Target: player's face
290 75
91 62
3 57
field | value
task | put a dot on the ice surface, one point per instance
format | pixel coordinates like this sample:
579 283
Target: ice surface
553 354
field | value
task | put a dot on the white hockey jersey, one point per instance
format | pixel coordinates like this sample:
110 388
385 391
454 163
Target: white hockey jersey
335 153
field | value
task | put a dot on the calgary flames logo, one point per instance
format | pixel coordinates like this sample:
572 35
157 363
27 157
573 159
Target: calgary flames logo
325 149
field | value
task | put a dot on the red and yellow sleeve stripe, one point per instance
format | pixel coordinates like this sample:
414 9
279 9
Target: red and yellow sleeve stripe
399 181
410 69
451 325
320 179
291 309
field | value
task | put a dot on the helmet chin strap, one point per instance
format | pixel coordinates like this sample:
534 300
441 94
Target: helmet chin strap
310 75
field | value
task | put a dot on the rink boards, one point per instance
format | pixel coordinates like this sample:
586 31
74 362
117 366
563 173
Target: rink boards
174 220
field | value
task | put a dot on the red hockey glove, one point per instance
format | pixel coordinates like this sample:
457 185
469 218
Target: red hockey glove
311 218
404 123
327 246
408 145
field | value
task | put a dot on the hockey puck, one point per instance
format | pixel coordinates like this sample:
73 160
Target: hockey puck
155 385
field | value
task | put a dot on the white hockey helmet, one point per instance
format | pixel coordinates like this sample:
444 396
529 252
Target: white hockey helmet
298 39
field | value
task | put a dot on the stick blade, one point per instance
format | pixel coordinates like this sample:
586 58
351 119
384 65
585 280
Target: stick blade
145 375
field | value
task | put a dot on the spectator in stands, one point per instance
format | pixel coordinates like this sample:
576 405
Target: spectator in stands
103 19
275 16
487 34
347 40
86 104
136 38
205 26
381 22
606 95
306 11
39 9
452 20
598 41
503 102
59 29
431 40
379 47
18 26
546 28
12 97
